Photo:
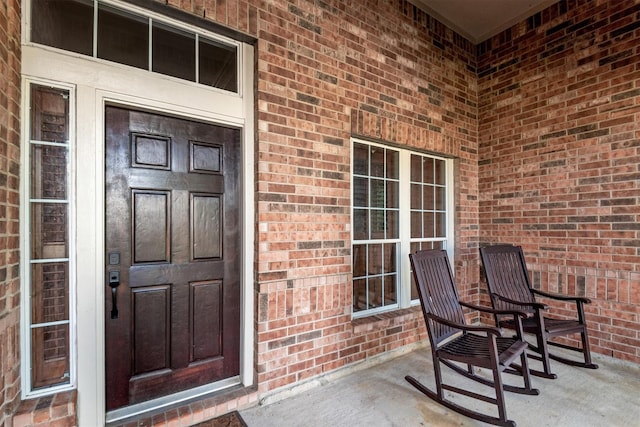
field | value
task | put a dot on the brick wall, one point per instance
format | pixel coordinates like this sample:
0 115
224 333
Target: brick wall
560 153
380 70
9 172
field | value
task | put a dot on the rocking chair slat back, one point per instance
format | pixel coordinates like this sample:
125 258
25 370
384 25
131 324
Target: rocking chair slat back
507 276
440 297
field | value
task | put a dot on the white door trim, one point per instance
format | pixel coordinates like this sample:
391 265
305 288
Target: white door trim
97 83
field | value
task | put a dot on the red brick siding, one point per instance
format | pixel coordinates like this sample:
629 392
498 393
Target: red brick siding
559 152
326 71
9 201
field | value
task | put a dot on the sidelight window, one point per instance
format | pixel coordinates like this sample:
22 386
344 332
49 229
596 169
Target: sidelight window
46 251
402 202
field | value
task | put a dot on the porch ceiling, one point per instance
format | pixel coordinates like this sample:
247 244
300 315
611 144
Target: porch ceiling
478 20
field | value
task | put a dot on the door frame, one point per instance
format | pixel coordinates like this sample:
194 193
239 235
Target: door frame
96 84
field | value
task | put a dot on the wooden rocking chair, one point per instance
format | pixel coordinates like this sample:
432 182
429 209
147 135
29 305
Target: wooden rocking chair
510 289
452 340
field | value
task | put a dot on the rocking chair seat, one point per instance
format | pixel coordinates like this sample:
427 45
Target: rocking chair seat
552 326
476 347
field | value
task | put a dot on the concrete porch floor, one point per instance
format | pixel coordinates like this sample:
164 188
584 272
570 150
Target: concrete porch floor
376 394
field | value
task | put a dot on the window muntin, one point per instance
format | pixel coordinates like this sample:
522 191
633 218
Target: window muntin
394 212
123 36
48 253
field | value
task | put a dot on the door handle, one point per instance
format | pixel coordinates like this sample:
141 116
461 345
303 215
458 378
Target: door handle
114 282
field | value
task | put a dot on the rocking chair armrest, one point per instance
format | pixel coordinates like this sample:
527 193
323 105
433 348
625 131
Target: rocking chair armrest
493 311
466 328
560 297
536 305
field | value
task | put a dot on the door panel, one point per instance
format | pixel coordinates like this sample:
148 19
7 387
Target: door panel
171 225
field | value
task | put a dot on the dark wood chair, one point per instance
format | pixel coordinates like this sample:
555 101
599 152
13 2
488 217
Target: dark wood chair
510 289
453 342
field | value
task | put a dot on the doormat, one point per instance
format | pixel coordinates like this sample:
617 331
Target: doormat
232 419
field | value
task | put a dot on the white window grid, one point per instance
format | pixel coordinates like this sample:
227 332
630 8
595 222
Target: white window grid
405 242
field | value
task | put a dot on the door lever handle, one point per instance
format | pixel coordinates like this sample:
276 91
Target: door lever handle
114 282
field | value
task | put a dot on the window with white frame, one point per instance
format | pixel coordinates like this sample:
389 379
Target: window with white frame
103 30
46 250
402 202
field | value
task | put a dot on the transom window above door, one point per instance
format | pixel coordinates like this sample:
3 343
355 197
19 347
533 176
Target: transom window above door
105 31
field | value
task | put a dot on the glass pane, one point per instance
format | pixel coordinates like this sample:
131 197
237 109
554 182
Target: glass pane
427 168
393 226
50 355
429 197
360 224
375 259
377 162
393 196
360 159
360 192
359 260
416 168
416 224
440 172
414 289
416 196
122 37
49 114
377 224
393 164
48 172
375 292
441 222
428 225
390 290
415 246
440 198
173 52
359 294
390 258
218 65
377 193
49 292
49 230
65 24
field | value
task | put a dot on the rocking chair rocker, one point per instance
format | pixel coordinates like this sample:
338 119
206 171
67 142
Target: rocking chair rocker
452 340
510 289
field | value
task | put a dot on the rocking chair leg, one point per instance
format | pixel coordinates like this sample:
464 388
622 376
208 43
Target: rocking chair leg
525 371
497 381
586 350
437 373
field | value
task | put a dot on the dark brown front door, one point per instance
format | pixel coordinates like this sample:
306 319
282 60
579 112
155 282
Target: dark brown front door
173 255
